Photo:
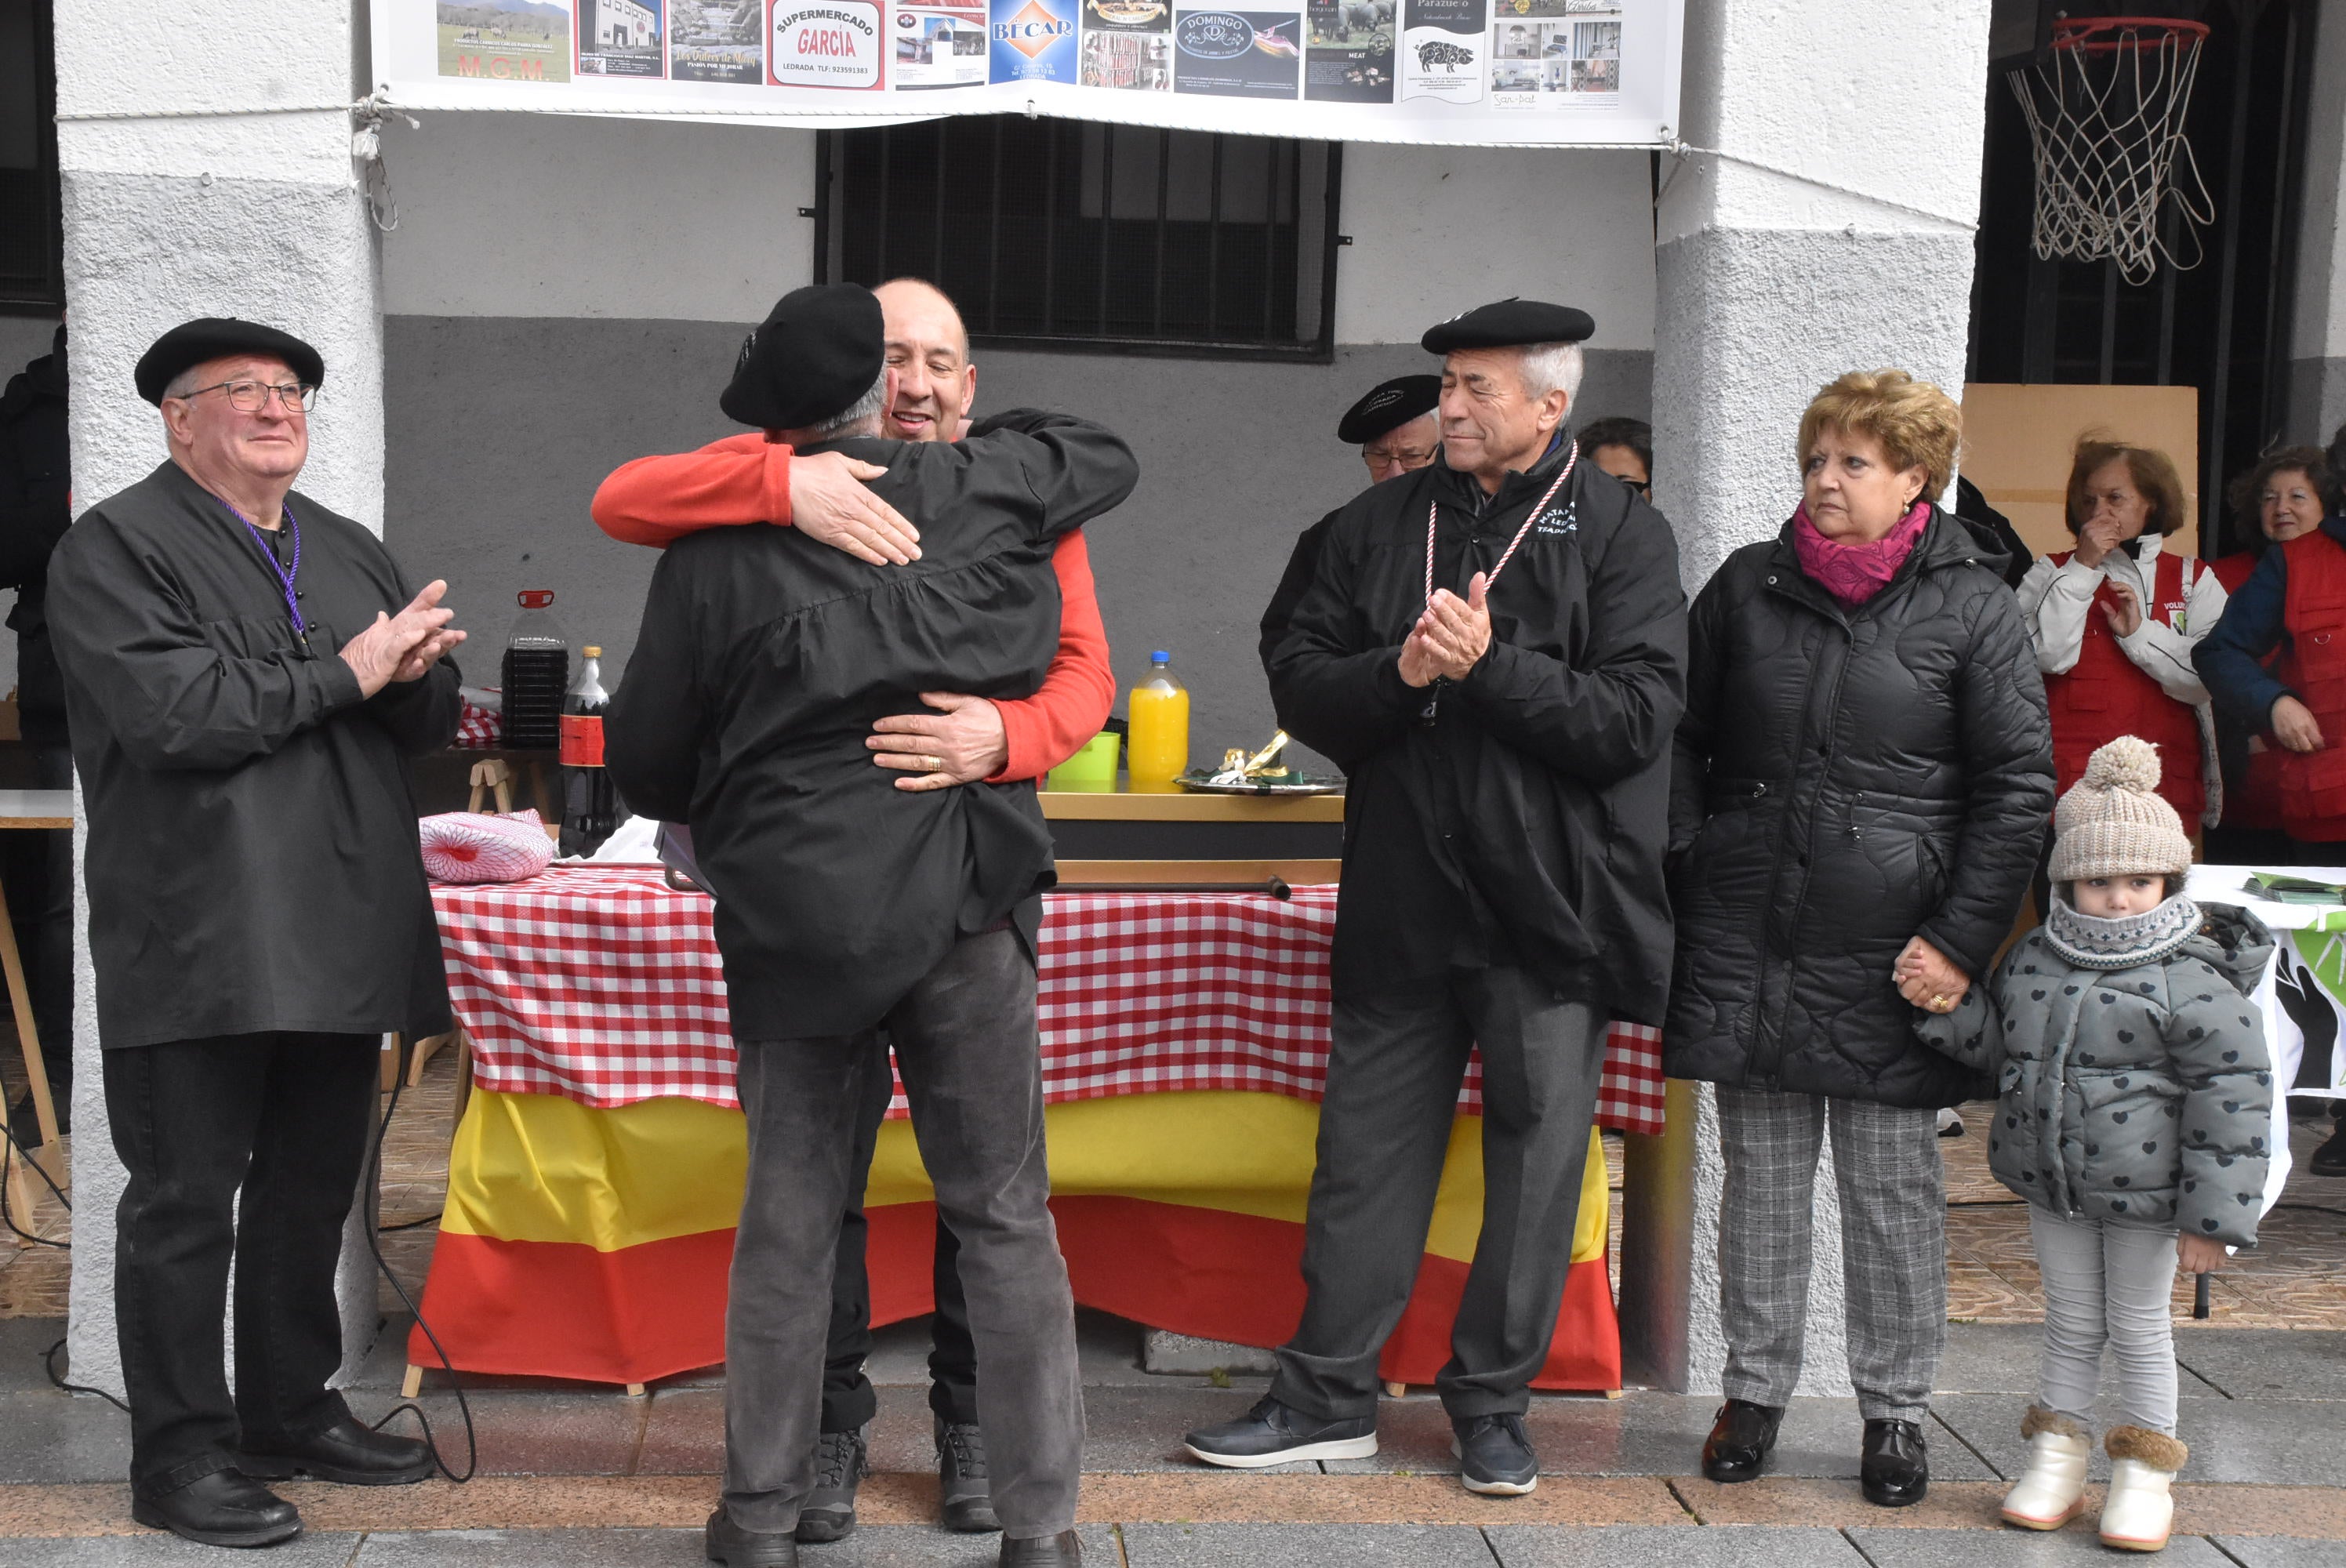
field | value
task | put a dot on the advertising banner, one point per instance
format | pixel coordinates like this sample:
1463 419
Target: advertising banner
1559 72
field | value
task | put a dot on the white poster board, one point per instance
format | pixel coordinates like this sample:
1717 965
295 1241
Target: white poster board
1539 73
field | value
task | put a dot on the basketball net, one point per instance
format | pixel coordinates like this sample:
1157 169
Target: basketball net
2105 114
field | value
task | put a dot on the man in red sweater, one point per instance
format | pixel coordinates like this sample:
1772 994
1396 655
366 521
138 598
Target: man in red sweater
962 739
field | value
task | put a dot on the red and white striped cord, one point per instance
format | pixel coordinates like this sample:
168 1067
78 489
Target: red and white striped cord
1433 516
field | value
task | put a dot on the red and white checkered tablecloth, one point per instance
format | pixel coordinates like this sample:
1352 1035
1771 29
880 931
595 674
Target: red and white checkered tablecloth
602 985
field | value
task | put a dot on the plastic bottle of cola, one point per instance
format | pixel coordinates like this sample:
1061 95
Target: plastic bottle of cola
591 812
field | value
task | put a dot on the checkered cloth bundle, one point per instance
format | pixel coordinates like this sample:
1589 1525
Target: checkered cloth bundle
600 984
478 729
472 846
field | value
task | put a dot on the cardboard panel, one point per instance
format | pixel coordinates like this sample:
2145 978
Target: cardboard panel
2017 441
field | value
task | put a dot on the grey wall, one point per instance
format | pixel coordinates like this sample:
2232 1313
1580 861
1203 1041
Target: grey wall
23 338
499 429
2317 400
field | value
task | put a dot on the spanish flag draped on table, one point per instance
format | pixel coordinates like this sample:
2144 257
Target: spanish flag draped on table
596 1173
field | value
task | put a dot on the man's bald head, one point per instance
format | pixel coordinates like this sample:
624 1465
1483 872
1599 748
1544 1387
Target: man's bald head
928 347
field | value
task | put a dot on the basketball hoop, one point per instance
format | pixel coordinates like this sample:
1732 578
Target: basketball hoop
2104 105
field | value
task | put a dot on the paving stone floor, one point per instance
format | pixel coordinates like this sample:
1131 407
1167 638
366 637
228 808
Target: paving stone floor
586 1476
571 1475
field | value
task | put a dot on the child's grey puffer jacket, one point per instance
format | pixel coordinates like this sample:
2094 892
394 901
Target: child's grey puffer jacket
2140 1095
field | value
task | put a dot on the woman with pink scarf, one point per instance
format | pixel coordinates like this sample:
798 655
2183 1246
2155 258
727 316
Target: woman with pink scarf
1860 786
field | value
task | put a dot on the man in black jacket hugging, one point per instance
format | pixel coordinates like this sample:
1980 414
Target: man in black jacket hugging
1505 735
851 913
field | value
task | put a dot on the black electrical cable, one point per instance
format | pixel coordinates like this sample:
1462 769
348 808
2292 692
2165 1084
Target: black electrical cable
407 1225
49 1363
374 1246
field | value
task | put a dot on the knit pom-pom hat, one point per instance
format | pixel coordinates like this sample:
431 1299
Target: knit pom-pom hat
2112 822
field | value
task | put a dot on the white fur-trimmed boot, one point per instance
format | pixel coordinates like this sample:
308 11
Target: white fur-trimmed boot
2139 1510
2052 1493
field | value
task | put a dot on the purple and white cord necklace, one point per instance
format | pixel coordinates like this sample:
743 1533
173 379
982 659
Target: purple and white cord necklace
282 573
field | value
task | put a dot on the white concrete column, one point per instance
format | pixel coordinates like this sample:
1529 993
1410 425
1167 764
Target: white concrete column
2317 379
206 153
1822 224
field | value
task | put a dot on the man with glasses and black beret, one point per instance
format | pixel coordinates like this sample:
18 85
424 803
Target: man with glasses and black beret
1396 428
1493 648
246 674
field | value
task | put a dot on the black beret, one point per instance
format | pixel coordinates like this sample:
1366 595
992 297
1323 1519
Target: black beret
1388 405
1509 324
819 350
191 343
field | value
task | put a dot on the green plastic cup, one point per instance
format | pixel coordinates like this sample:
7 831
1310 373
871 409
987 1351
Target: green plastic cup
1093 769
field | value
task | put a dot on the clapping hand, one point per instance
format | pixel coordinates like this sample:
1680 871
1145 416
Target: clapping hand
1451 638
402 646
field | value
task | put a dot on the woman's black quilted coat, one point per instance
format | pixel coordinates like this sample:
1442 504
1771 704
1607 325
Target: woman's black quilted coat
1845 780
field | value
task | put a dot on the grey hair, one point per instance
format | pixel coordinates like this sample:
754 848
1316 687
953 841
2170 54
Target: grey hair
864 410
1553 367
183 384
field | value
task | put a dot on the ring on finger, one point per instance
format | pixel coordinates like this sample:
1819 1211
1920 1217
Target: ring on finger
935 764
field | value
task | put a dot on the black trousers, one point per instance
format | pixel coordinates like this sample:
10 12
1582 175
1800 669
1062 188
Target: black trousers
283 1119
1395 1063
847 1401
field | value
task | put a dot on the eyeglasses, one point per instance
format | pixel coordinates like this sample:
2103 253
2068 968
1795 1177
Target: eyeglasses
1404 457
252 397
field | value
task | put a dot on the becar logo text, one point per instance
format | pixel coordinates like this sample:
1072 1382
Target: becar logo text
1033 30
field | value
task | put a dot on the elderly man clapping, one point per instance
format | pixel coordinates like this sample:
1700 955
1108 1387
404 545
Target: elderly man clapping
1492 647
245 672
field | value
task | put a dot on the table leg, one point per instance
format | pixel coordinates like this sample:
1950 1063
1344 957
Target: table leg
37 1072
1658 1265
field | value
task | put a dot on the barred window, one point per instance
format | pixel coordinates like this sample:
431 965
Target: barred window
1061 234
32 240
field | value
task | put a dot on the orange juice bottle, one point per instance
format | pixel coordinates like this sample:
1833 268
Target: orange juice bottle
1158 745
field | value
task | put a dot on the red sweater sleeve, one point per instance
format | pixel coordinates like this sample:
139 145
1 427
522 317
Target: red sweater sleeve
658 500
1072 704
747 479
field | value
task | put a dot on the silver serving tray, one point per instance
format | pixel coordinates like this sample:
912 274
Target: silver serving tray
1202 783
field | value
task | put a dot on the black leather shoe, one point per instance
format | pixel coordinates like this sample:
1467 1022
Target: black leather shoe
841 1462
1896 1470
1060 1551
1494 1457
1272 1433
727 1543
1737 1449
964 1492
226 1508
2329 1159
347 1452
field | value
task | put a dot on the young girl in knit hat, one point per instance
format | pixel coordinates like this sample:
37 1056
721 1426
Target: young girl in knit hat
2134 1110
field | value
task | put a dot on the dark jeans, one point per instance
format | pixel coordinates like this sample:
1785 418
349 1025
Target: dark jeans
37 872
966 1038
283 1119
847 1401
1394 1066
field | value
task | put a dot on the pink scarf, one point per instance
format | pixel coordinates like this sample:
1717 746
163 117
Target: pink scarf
1855 573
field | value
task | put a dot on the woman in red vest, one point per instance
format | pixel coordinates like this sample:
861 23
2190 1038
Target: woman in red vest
2116 620
2285 496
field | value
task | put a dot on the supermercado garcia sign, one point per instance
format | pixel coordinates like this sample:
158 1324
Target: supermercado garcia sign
1478 72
